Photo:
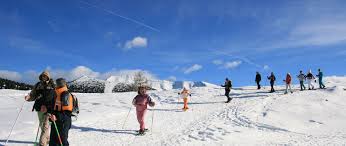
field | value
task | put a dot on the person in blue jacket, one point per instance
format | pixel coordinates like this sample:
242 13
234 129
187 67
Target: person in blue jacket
320 76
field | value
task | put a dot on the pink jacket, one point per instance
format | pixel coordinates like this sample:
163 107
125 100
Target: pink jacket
142 100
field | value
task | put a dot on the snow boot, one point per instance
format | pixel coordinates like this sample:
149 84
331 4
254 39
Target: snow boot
141 132
228 100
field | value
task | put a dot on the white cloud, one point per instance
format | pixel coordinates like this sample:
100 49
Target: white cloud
217 62
11 75
193 68
266 67
137 42
229 64
232 65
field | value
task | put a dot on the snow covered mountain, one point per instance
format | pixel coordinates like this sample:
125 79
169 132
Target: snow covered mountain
125 80
124 83
87 84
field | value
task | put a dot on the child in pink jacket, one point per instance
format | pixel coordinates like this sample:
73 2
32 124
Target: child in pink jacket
141 102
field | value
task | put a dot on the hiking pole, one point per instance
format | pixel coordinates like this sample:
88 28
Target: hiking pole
126 117
38 130
152 121
56 128
15 123
178 99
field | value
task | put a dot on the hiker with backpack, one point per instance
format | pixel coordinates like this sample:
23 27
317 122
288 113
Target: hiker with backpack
301 78
228 86
310 77
258 80
320 82
185 93
272 79
43 94
141 102
60 114
288 82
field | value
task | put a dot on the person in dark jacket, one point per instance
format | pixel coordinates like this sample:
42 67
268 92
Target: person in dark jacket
60 113
310 77
272 79
43 94
258 80
228 86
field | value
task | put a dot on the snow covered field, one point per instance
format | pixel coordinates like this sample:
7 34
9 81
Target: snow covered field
254 117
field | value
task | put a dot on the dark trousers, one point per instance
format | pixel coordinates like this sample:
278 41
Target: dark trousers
272 87
258 85
63 124
227 93
321 83
302 86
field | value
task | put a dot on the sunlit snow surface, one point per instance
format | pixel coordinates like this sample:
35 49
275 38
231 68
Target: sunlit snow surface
254 117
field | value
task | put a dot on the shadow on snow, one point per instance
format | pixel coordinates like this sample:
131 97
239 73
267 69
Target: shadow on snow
91 129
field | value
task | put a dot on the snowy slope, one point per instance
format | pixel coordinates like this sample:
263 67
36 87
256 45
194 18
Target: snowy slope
254 117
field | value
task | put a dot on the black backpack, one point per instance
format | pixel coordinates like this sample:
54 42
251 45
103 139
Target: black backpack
75 109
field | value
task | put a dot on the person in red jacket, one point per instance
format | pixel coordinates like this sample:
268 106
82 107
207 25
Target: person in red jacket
141 102
288 83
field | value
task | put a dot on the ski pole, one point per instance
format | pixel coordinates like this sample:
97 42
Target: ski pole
152 121
178 99
126 117
38 130
14 124
56 128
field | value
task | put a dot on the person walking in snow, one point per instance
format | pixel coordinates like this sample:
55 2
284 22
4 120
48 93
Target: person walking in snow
141 102
272 79
310 77
43 94
61 114
301 78
185 93
228 86
288 82
320 82
258 80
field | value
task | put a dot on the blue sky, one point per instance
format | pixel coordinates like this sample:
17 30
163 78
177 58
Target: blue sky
186 40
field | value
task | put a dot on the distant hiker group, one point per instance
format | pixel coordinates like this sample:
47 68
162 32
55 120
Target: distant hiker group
309 77
288 82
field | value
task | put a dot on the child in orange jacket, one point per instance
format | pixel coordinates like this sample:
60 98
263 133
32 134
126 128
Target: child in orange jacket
185 93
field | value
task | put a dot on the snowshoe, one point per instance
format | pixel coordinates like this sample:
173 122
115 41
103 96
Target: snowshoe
185 109
229 100
141 132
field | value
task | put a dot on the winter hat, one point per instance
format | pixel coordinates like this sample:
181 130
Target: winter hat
61 82
45 73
